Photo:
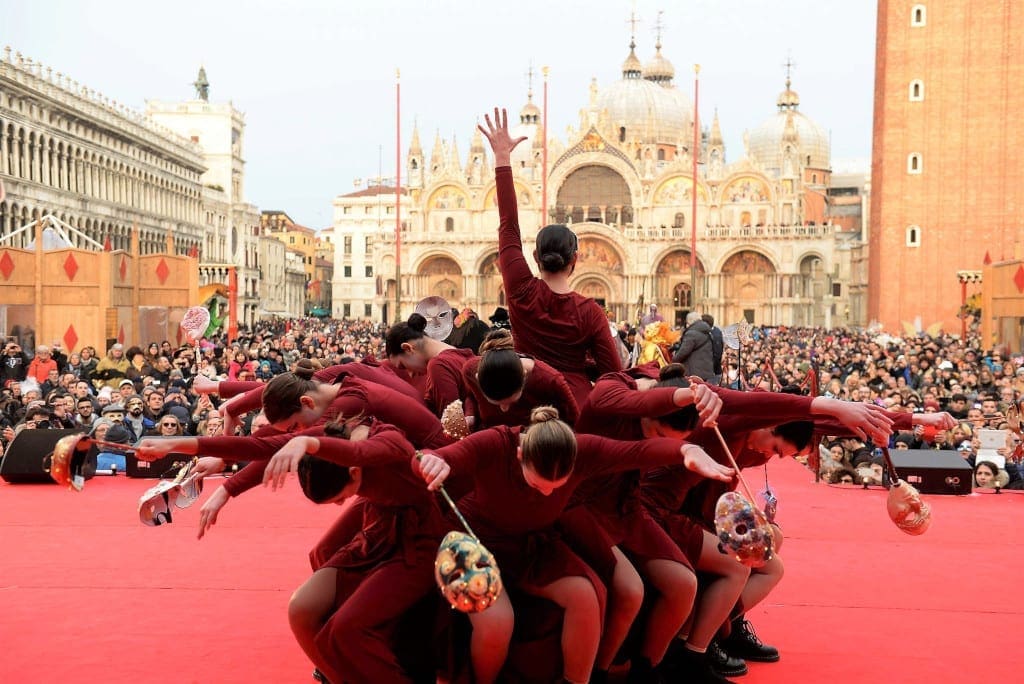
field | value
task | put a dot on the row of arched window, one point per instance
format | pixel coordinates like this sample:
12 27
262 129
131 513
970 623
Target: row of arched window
151 241
54 162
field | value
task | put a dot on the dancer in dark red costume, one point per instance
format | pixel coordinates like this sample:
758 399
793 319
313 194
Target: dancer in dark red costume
505 386
764 424
344 616
634 405
409 347
522 480
551 322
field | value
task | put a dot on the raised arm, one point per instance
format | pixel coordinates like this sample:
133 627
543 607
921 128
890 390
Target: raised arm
515 271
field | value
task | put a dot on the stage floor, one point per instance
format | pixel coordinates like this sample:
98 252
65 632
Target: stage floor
88 594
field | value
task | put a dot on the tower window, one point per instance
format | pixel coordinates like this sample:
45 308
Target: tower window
913 236
916 90
914 163
449 225
918 15
622 134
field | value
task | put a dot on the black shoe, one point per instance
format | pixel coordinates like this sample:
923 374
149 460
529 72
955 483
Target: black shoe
696 668
743 643
319 676
723 663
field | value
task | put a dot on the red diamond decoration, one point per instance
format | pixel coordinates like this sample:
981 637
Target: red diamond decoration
120 335
988 258
71 266
162 271
6 265
1018 279
123 268
70 338
106 245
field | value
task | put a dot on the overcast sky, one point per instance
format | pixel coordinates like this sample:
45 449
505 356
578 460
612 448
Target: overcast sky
316 78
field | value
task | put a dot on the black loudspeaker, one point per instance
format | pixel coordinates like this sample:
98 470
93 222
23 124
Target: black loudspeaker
167 466
934 472
24 460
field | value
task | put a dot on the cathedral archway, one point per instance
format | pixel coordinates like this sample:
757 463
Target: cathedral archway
672 289
593 193
748 283
813 287
441 276
596 289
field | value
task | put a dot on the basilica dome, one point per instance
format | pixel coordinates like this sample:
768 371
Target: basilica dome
659 69
649 112
810 141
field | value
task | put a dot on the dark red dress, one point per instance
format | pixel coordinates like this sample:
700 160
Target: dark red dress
614 409
445 382
514 520
568 331
545 386
387 567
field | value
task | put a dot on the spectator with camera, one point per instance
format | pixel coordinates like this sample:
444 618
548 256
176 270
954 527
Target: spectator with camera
15 362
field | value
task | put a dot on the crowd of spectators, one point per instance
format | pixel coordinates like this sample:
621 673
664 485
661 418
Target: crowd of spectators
147 389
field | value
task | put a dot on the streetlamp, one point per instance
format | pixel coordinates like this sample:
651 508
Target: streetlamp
965 277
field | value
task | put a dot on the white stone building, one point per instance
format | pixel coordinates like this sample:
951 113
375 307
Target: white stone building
92 163
232 224
766 249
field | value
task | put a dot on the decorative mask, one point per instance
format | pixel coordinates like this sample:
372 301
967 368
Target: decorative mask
438 313
907 510
67 461
467 573
743 531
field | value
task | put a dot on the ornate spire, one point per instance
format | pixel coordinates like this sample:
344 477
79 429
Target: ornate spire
659 69
632 68
414 145
716 131
453 156
437 154
202 85
530 113
788 99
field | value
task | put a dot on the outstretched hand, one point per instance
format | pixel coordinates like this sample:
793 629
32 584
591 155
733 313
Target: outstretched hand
698 461
867 421
497 134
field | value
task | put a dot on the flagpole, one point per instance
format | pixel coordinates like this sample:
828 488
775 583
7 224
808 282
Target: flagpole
693 222
544 158
398 195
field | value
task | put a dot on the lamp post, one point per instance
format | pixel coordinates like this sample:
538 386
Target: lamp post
965 277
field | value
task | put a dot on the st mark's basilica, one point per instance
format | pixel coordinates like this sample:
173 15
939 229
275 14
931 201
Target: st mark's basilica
767 246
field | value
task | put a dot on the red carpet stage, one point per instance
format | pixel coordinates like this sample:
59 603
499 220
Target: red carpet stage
88 594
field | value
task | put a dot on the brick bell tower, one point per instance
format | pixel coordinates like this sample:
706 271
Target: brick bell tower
947 170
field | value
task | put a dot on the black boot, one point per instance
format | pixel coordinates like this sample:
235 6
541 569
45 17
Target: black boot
723 663
743 643
696 668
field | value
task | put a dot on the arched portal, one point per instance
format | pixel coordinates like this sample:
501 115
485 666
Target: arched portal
441 276
593 193
748 284
672 289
